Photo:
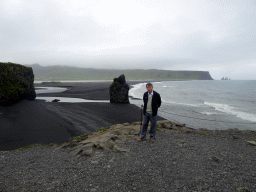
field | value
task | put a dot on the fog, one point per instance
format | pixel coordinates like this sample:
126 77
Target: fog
210 35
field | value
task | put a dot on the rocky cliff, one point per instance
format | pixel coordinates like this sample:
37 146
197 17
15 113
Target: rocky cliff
16 83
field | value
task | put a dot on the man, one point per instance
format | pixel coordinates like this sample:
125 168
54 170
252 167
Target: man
152 101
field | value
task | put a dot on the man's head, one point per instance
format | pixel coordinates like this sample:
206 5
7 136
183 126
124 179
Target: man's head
149 87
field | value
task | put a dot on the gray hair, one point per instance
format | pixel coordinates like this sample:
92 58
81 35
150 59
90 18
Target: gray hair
149 84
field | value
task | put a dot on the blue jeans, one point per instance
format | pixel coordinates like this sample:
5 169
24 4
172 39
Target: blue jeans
146 118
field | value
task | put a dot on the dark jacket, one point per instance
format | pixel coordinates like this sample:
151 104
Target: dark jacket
156 102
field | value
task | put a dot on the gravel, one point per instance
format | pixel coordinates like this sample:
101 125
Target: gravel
175 162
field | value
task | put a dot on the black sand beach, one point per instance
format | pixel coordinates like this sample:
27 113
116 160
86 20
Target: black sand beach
30 122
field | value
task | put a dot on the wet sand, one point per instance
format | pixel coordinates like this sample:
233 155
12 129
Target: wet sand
30 122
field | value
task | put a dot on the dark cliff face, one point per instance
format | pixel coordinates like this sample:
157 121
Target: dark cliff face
16 83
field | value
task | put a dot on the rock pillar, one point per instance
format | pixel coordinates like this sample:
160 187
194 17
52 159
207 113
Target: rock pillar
119 90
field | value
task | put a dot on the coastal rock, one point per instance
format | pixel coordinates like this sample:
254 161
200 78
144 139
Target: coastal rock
111 137
16 83
119 90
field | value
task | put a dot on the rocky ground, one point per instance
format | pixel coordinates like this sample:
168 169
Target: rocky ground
111 159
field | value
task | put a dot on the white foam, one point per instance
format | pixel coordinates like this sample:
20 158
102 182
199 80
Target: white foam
71 100
133 90
76 81
172 102
208 113
232 111
164 86
50 89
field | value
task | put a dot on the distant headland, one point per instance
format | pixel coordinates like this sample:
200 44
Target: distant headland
57 72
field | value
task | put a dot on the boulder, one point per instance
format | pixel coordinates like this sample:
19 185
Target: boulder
119 90
16 83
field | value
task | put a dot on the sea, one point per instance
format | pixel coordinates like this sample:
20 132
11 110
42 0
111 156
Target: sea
209 104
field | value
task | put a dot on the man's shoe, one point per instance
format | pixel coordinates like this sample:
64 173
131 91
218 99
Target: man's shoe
152 140
141 139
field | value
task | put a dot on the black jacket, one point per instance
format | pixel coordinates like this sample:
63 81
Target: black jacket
156 102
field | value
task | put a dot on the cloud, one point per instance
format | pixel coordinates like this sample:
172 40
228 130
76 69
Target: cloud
196 34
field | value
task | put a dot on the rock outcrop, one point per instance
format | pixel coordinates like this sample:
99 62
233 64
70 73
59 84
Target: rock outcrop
16 83
111 137
119 90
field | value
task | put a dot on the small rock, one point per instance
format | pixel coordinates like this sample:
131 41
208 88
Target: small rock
134 132
126 124
118 149
125 132
168 125
242 189
117 132
234 137
215 158
94 162
102 146
86 141
108 166
75 152
109 144
87 151
252 142
55 100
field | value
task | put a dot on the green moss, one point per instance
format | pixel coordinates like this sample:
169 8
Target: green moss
101 129
79 138
29 146
11 80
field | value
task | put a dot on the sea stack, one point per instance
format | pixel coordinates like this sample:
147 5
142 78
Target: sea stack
16 83
119 90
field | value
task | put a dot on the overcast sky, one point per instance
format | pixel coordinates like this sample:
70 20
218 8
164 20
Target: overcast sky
218 36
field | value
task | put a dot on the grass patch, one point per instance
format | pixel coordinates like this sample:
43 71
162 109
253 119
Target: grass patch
205 134
101 129
29 146
79 138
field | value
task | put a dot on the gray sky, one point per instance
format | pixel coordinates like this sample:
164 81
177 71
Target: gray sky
218 36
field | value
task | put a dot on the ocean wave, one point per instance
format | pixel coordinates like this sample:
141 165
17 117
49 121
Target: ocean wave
134 88
232 111
172 102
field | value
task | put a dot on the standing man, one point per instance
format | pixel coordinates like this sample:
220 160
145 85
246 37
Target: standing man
152 101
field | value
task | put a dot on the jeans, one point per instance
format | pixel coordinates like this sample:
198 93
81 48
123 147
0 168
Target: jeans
146 118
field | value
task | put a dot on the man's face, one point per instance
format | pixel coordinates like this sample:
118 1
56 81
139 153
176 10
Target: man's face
149 88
